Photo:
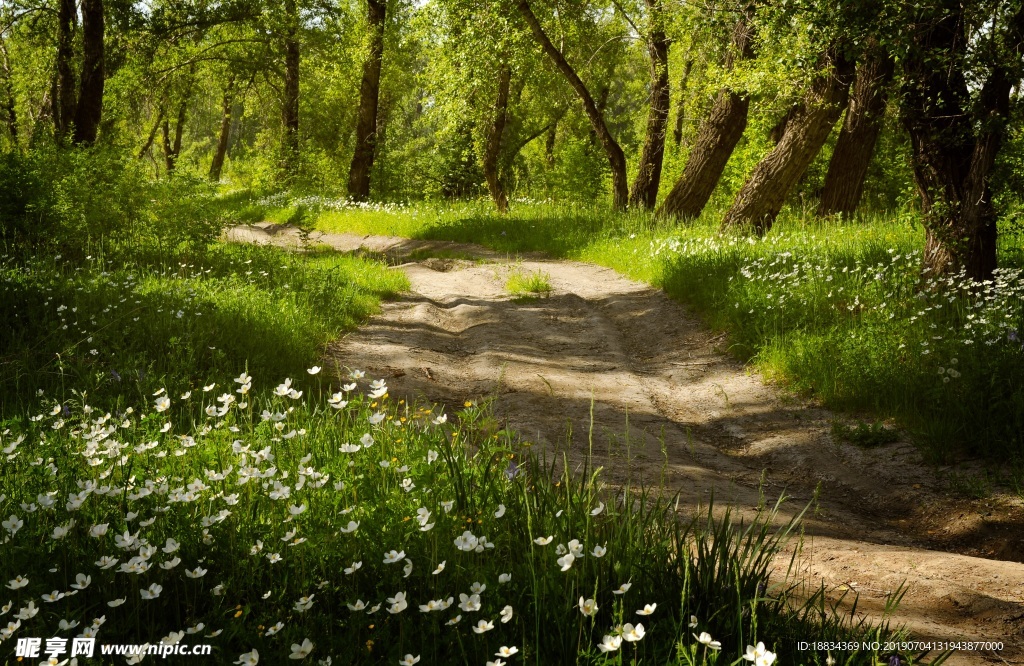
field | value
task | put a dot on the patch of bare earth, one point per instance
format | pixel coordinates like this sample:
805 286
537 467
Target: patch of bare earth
698 421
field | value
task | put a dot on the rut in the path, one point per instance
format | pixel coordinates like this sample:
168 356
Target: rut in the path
569 371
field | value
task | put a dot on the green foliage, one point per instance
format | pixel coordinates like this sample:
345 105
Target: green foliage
63 200
103 324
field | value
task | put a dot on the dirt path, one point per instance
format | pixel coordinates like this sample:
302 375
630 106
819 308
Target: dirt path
697 420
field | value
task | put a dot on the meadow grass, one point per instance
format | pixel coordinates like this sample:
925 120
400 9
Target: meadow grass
304 521
131 321
837 309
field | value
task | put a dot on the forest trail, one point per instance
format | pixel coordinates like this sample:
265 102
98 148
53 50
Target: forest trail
698 421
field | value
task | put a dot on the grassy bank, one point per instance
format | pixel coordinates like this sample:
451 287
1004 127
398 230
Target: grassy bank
837 309
111 323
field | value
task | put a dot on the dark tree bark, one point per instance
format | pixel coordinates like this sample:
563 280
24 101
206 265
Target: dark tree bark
955 140
677 133
648 176
493 148
761 197
369 94
64 98
616 158
549 144
89 111
778 130
290 103
844 182
217 165
602 102
9 109
716 139
169 156
172 147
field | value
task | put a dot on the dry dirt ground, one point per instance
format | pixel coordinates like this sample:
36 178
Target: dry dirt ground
698 421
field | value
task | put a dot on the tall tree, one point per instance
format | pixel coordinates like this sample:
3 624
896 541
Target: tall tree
89 111
172 147
290 100
648 176
848 167
369 96
9 103
157 124
64 98
684 80
492 150
957 129
760 199
221 151
616 158
716 138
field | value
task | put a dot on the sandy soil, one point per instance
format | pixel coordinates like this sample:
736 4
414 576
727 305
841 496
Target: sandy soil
698 421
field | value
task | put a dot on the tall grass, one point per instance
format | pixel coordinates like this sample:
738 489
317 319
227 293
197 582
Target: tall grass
111 322
255 519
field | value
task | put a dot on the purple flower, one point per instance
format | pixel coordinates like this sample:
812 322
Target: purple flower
115 375
512 471
65 411
1013 337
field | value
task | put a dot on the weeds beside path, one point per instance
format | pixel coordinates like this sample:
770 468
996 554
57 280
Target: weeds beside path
606 348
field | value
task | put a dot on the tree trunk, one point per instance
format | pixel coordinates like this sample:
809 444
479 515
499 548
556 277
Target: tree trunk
677 133
64 99
168 147
152 132
844 182
549 142
89 111
761 197
601 101
172 147
716 138
616 158
9 101
648 176
369 96
179 127
778 130
290 103
217 165
955 142
493 148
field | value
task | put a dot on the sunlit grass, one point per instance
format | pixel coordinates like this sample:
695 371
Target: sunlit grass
99 324
520 282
